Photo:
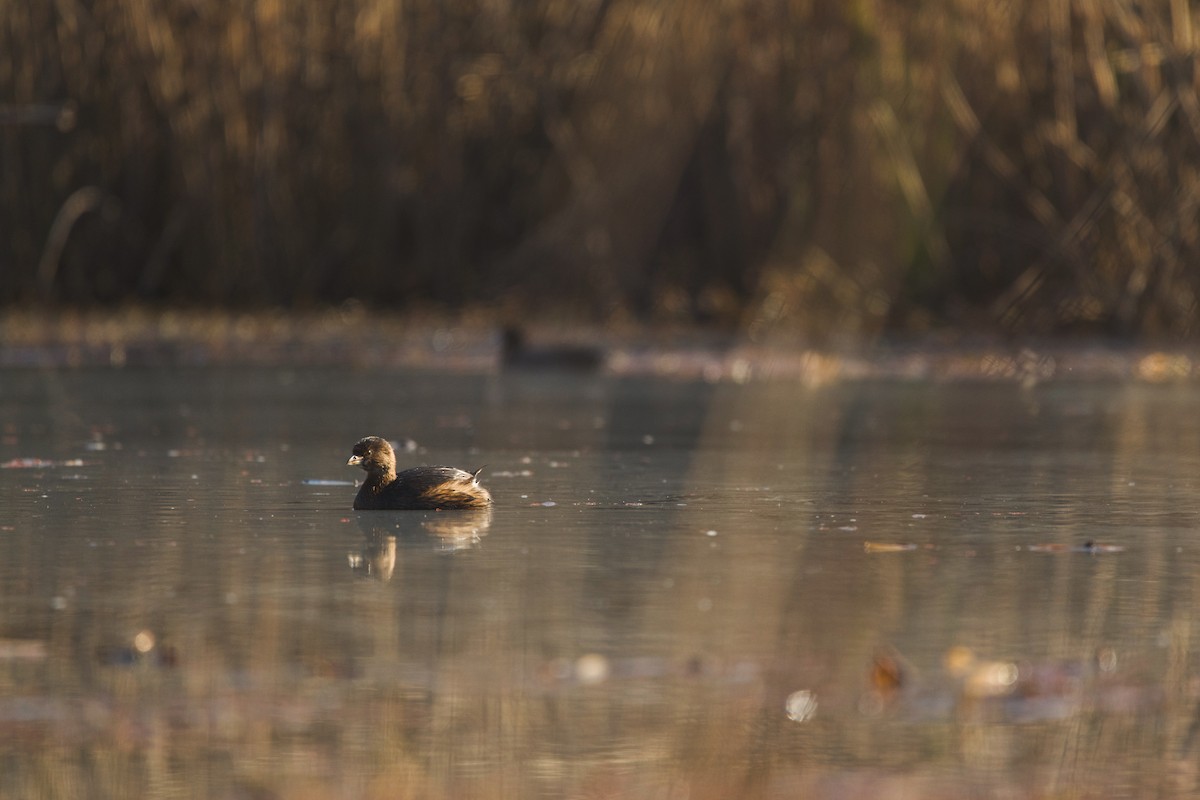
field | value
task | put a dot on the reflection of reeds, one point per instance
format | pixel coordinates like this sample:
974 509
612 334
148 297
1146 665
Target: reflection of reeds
832 165
645 659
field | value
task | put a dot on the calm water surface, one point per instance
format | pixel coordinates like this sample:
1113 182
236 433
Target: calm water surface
684 591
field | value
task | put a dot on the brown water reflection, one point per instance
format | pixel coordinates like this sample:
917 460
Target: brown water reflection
674 596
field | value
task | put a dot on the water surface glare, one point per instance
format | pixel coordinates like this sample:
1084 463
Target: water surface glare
684 590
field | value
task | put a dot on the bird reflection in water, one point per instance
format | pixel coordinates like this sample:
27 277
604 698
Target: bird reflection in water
377 559
457 530
445 532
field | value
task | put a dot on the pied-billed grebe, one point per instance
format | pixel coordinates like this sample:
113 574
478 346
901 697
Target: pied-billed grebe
417 488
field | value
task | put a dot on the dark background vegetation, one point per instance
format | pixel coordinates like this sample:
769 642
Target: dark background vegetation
829 165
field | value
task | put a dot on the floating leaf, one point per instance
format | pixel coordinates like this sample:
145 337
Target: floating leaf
888 547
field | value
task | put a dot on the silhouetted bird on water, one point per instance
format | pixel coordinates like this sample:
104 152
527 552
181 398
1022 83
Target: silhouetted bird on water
517 353
429 488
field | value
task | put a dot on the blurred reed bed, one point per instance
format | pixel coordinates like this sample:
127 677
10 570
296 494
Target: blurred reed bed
822 166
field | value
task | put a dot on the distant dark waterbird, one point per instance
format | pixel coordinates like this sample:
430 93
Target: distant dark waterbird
517 353
427 488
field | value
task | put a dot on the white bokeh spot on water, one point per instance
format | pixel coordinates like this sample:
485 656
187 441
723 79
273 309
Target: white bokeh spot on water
801 706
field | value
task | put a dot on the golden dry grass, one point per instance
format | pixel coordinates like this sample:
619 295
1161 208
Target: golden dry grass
822 166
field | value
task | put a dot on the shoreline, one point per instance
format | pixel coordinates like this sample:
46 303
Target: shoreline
353 337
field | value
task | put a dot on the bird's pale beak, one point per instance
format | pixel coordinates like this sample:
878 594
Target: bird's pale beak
354 461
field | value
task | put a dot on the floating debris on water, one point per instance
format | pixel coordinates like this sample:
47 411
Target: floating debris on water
801 706
979 678
144 648
1049 548
591 669
888 547
22 650
1091 547
888 670
888 676
40 463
